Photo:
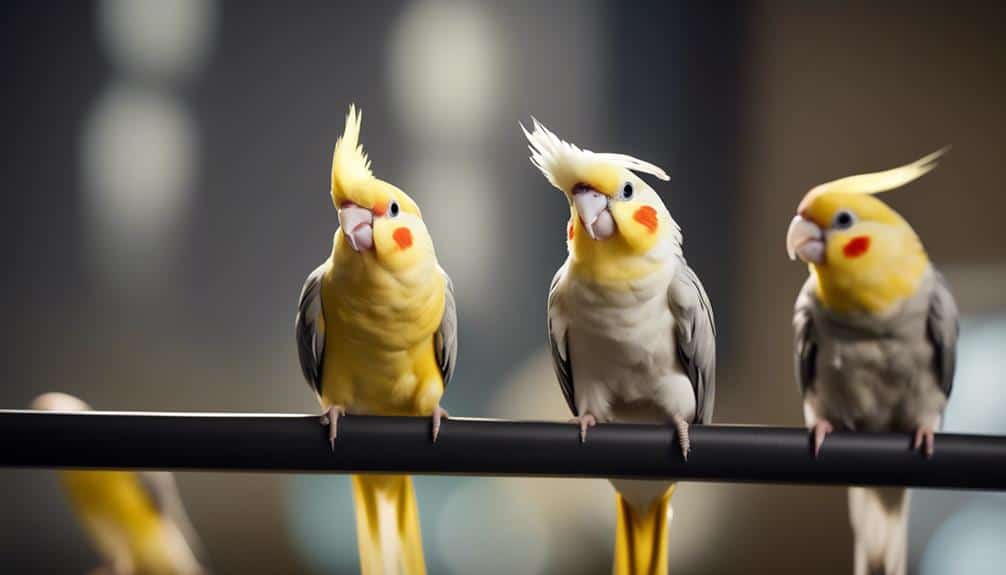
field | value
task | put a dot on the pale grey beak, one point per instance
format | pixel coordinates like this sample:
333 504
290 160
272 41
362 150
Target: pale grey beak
805 240
592 207
358 226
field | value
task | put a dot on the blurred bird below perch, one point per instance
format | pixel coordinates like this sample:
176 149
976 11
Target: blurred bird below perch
298 444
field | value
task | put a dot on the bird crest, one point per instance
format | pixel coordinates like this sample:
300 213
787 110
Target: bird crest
877 182
564 164
350 165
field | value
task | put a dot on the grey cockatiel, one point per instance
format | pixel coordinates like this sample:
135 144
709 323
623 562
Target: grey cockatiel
876 335
630 326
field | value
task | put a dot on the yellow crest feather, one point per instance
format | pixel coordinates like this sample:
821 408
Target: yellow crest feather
876 182
563 163
350 165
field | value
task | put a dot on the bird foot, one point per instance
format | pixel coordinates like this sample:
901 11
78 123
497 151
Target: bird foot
438 414
819 431
925 437
584 421
682 426
331 418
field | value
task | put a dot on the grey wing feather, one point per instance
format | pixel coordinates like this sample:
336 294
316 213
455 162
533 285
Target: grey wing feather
943 329
310 329
558 343
445 341
805 338
161 489
696 337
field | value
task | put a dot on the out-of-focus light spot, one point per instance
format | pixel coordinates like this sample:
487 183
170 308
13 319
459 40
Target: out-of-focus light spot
970 540
446 77
322 522
161 38
457 202
486 528
139 155
445 70
977 404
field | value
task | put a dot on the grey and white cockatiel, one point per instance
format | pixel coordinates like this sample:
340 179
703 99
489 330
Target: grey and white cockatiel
630 326
876 335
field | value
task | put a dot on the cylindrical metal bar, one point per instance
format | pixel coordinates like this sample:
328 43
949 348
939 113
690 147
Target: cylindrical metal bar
298 443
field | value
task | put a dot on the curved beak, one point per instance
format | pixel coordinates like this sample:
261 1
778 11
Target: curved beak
592 207
805 240
358 226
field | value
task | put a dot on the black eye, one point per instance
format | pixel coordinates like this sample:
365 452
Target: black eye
844 220
393 208
627 191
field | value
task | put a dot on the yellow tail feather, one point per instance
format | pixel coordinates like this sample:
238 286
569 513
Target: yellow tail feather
387 525
641 538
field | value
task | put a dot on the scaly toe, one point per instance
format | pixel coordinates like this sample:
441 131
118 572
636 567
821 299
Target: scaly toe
331 419
439 413
820 430
585 422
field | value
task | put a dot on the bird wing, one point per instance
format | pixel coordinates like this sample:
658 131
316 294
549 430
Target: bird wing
557 337
943 329
445 341
696 337
310 329
805 337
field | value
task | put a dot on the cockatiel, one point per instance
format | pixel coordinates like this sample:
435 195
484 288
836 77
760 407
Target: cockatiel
876 335
629 324
135 519
377 334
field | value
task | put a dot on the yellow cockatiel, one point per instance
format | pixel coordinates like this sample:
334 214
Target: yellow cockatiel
377 334
629 324
876 336
136 519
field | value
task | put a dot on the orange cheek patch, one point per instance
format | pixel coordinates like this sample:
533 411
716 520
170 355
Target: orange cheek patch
646 216
380 208
402 237
570 232
856 247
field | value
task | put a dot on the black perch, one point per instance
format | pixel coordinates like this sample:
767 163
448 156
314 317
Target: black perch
298 443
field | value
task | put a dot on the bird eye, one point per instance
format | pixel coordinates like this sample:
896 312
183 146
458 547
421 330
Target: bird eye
393 209
844 220
627 191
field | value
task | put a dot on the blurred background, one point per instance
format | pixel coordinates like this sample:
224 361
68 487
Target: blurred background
167 164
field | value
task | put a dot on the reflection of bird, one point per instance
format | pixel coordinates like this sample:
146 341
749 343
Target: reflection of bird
136 520
377 333
876 335
630 326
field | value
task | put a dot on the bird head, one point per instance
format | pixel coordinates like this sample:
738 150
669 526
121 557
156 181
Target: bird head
608 201
375 217
860 249
55 401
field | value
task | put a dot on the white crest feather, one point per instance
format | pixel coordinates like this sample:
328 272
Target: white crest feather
876 182
562 162
350 164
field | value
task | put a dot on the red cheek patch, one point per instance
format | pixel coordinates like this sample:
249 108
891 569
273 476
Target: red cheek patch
646 216
570 232
856 247
402 237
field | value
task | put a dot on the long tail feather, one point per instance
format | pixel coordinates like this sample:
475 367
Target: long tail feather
387 525
879 519
641 536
